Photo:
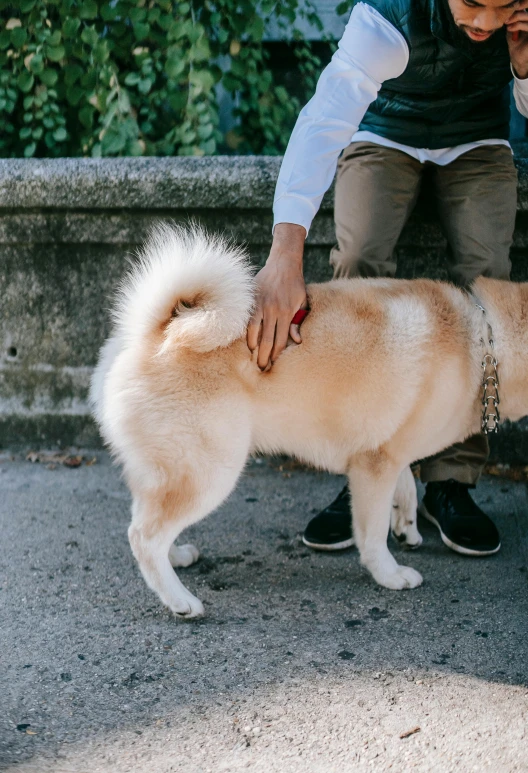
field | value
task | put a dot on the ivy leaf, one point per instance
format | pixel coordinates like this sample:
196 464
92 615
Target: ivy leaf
36 64
72 73
55 54
209 147
70 27
25 81
74 94
202 80
18 37
109 12
49 77
144 86
343 7
136 14
175 66
205 131
187 137
135 148
60 134
256 28
55 38
89 36
132 79
113 141
86 115
141 30
88 9
101 52
30 149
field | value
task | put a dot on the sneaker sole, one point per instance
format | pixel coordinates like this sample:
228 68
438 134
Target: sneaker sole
347 543
457 548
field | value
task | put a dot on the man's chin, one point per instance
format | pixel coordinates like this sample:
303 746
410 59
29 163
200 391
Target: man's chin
477 37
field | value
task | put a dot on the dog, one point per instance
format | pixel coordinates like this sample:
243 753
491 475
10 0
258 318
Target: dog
389 371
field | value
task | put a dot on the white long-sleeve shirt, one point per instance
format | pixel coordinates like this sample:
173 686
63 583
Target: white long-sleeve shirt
371 51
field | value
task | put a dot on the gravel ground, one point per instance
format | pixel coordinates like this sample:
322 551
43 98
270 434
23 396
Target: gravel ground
302 664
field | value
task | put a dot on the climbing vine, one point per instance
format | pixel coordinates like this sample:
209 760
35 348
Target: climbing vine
147 77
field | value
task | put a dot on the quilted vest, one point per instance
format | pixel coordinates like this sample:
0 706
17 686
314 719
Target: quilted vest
453 90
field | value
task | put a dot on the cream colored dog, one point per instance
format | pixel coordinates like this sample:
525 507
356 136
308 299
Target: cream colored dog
389 371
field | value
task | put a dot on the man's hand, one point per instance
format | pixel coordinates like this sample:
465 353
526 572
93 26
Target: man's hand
281 292
517 27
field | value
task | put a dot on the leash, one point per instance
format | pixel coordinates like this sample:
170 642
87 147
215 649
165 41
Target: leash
490 376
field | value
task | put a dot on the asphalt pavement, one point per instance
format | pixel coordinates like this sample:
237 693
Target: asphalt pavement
301 664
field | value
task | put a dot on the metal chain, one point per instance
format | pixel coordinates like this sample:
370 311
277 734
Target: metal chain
490 381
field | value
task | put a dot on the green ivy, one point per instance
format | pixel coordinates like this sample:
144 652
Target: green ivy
142 77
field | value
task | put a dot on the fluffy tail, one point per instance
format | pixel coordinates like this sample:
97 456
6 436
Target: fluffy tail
189 288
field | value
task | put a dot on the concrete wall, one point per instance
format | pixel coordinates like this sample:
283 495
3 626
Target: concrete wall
67 229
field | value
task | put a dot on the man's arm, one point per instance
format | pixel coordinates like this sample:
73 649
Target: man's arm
370 51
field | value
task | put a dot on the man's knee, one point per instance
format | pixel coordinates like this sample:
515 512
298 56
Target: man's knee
360 260
494 263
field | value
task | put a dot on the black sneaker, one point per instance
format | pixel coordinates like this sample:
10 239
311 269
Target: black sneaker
331 529
462 524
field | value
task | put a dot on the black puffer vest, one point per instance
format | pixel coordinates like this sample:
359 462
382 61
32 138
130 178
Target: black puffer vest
453 90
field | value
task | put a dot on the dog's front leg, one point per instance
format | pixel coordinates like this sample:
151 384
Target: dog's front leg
373 480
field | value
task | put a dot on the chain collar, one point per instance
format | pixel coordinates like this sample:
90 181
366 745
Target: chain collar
490 377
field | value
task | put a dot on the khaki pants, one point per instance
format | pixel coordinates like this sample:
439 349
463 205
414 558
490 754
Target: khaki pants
376 190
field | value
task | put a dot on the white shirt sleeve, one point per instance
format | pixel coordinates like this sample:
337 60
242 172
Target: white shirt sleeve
371 51
520 93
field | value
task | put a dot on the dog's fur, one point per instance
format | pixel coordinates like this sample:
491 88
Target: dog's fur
389 371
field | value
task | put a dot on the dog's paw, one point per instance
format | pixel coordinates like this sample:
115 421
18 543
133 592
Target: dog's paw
183 555
411 538
404 527
187 607
403 577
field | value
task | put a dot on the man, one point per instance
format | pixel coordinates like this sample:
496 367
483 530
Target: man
415 84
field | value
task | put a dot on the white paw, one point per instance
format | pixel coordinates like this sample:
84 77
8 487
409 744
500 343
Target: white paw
402 577
410 538
183 555
404 528
186 607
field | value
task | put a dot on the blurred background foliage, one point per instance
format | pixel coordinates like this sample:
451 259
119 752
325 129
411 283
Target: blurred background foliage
144 77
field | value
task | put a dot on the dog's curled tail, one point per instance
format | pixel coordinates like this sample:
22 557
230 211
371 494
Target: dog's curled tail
191 289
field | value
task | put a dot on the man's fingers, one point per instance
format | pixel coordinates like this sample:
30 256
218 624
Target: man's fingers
254 330
281 336
295 333
519 15
266 342
516 28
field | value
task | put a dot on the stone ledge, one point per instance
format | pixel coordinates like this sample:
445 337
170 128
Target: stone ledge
217 182
67 229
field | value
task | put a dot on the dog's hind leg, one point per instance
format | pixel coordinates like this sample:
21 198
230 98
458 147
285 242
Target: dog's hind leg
159 516
404 518
373 479
156 522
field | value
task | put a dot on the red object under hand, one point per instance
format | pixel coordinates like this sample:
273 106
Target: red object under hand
515 36
299 316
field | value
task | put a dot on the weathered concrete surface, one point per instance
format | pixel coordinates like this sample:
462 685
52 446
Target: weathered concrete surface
67 230
302 664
